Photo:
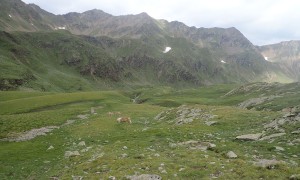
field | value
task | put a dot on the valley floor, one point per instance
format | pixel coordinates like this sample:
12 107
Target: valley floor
174 134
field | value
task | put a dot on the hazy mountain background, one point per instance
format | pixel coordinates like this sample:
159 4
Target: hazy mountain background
92 50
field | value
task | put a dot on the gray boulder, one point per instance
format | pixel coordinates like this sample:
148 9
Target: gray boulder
231 155
249 137
272 136
266 163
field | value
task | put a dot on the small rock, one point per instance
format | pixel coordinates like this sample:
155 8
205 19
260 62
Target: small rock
156 155
231 155
296 141
278 148
181 169
272 136
77 177
145 177
124 155
125 147
210 123
295 177
86 149
197 145
249 137
162 170
289 115
69 122
82 116
93 110
71 154
281 121
266 163
296 132
272 124
82 143
211 146
50 147
112 178
172 145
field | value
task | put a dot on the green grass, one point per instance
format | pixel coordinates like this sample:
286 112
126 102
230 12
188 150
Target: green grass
146 139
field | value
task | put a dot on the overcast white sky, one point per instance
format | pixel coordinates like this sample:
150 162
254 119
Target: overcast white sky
261 21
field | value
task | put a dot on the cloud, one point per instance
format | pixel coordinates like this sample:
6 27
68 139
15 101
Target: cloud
262 22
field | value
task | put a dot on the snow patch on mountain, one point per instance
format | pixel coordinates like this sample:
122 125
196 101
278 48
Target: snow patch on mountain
167 49
58 28
266 58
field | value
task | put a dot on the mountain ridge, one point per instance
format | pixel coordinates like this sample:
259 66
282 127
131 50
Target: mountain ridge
134 45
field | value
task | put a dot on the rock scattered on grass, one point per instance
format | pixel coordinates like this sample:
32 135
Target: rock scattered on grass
77 177
68 122
266 163
82 143
296 132
124 155
112 178
249 137
144 177
296 141
256 101
50 147
195 145
184 115
210 123
82 116
295 177
231 155
69 154
85 149
28 135
272 136
278 148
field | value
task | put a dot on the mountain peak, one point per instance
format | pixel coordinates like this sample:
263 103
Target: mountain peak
144 14
96 12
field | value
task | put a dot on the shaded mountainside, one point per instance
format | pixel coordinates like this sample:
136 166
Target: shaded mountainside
286 55
89 50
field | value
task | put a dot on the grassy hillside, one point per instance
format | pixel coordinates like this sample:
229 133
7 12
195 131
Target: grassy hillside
95 50
54 61
155 142
59 61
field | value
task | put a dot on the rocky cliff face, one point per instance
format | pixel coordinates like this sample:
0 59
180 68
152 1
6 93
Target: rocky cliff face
286 55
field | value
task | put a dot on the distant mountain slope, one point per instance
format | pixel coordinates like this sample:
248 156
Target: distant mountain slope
103 50
286 55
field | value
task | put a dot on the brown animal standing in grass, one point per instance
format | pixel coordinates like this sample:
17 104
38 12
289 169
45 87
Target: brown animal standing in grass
124 119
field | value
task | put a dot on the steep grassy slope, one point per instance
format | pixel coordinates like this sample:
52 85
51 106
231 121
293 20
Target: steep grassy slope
59 61
53 61
152 144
